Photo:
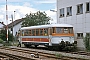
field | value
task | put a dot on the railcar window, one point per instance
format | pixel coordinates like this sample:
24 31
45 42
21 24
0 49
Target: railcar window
70 30
37 32
46 32
59 30
53 29
41 32
22 33
26 33
33 32
50 31
30 32
65 30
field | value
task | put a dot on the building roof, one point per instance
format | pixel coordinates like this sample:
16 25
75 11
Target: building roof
15 22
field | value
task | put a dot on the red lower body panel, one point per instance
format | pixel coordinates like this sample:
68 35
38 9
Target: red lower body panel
35 39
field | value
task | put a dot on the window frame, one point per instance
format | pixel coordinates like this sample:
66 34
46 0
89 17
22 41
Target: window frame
22 33
69 9
45 31
30 32
37 32
65 30
79 9
87 11
50 31
62 12
41 32
33 32
53 29
59 30
80 36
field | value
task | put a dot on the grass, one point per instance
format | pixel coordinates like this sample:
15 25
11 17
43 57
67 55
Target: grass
59 55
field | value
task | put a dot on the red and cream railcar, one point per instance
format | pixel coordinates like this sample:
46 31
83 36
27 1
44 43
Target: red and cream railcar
47 35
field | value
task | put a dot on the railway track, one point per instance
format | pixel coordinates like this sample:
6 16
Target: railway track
3 57
25 52
78 52
36 54
6 56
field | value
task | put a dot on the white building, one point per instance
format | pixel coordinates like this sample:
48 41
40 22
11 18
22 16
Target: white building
16 26
76 13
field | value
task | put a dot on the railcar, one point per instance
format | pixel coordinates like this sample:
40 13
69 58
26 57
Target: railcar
47 35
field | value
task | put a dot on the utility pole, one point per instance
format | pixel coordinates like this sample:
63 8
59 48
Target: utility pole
12 23
14 15
12 27
6 21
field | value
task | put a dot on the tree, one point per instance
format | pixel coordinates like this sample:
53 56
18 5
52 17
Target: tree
38 18
3 35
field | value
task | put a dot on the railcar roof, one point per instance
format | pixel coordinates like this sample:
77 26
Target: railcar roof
46 26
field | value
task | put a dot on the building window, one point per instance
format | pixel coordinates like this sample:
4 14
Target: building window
62 12
79 35
69 11
80 9
88 7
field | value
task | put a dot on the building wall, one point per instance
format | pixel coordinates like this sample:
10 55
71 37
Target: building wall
81 22
1 25
16 28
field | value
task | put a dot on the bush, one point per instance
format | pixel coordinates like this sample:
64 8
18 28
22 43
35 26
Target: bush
87 42
1 41
7 43
3 34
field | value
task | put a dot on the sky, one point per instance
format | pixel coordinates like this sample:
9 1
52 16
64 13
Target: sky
23 7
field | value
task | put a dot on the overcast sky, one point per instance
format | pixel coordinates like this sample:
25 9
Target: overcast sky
22 7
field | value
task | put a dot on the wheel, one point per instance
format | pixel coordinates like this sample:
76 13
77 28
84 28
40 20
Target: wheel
36 45
26 45
51 48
